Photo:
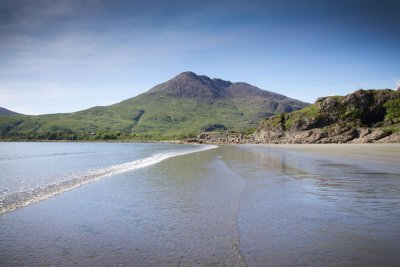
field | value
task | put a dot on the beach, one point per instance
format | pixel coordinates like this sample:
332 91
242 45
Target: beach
234 205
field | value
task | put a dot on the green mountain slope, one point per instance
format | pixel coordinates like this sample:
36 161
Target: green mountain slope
184 105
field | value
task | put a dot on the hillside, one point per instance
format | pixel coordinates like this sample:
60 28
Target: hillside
4 111
364 116
182 106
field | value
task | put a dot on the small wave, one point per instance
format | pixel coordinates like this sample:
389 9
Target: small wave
20 199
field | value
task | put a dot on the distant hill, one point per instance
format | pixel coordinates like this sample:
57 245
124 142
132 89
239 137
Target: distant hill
184 105
364 116
4 111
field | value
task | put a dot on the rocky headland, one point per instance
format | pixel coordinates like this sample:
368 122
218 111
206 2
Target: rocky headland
365 116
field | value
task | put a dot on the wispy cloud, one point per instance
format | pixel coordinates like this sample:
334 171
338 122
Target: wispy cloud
75 54
104 51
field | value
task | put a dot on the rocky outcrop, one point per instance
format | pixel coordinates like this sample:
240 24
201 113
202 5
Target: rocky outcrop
314 136
365 116
222 138
328 135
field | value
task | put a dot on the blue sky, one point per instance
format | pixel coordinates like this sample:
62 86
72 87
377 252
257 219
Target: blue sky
64 56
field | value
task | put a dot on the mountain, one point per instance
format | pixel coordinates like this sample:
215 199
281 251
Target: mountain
184 105
4 111
364 116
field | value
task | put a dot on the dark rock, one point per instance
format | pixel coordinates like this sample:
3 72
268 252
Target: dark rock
327 103
321 99
359 99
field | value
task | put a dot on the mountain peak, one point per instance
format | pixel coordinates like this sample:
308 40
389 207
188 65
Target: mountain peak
187 75
190 85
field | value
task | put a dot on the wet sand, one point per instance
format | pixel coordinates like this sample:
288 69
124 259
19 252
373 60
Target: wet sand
236 205
317 205
376 153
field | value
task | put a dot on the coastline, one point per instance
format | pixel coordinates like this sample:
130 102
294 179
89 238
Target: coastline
223 139
302 137
313 136
51 190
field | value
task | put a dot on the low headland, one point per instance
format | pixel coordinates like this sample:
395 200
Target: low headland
365 116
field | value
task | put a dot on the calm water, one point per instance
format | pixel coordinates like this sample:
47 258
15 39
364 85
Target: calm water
35 171
228 206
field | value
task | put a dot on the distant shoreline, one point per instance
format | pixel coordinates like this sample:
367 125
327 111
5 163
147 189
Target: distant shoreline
93 141
197 141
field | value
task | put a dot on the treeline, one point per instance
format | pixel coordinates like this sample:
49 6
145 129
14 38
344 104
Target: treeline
105 136
85 136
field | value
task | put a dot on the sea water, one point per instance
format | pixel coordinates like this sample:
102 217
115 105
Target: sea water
35 171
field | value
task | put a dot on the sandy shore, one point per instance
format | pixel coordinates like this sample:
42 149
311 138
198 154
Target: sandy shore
382 153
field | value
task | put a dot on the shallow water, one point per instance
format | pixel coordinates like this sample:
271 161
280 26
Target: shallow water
35 171
229 206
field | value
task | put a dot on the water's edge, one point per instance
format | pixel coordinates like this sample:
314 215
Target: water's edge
236 242
21 199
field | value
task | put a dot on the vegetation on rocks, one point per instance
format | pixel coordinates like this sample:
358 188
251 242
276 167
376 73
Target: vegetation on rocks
363 116
392 110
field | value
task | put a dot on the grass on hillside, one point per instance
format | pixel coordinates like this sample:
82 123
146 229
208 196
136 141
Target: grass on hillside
165 118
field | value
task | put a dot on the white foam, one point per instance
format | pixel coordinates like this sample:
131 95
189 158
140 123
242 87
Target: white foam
20 199
141 163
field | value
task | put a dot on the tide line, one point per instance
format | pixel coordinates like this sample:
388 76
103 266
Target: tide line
21 199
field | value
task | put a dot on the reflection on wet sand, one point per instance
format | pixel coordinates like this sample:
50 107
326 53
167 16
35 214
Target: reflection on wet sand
302 207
